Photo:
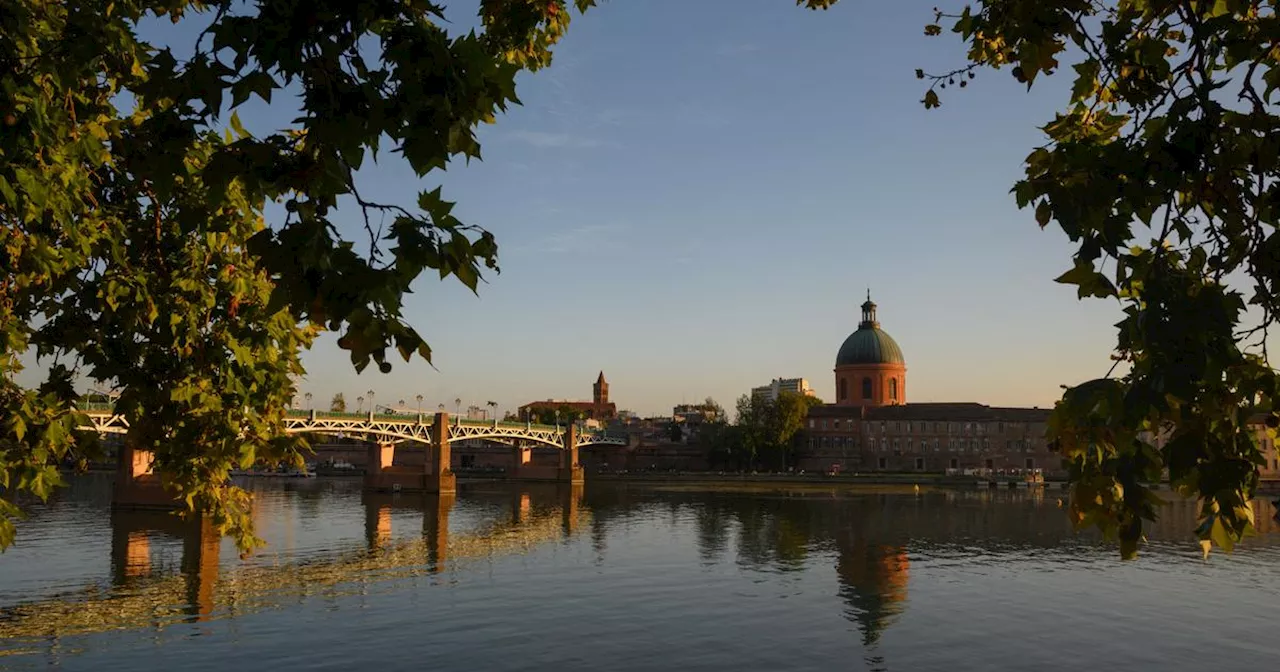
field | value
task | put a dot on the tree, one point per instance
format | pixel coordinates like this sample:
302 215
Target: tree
715 411
135 241
723 444
751 420
339 404
786 418
675 433
1162 170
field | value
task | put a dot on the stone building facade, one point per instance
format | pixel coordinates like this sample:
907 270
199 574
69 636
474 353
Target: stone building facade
932 437
871 427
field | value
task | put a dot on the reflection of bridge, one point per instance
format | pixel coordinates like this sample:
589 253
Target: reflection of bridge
138 598
139 487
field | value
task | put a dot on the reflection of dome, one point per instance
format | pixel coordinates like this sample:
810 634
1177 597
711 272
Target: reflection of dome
873 581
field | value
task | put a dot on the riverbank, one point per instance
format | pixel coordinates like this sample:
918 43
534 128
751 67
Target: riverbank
823 480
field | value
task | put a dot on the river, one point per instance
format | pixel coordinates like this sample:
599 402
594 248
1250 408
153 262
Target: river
627 577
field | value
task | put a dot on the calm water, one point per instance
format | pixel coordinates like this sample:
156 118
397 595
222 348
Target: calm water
627 578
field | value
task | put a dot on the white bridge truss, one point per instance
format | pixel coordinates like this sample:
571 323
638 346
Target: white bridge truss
394 428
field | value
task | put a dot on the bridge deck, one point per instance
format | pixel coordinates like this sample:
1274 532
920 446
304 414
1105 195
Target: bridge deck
392 427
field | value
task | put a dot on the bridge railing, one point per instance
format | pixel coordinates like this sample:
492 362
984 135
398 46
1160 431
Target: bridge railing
108 407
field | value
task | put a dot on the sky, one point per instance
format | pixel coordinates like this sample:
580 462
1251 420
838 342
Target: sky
696 197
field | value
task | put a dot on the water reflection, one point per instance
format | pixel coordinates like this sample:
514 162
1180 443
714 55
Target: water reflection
872 538
862 557
145 593
131 533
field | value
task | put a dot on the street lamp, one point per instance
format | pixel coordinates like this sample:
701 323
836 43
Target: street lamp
307 396
419 398
457 403
373 408
359 404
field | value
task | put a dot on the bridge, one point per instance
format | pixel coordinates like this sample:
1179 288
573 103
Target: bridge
138 487
393 428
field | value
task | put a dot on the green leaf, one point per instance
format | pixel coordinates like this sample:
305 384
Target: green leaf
1044 213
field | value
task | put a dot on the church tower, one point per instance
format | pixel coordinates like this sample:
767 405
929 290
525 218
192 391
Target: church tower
600 391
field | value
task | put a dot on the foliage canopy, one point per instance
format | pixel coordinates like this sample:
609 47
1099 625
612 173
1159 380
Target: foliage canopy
135 248
1162 170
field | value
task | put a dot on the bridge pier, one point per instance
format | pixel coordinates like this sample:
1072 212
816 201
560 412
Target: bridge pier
136 486
520 458
383 475
441 479
570 471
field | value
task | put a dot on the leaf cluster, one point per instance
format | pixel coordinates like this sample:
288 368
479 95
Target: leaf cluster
1162 170
133 239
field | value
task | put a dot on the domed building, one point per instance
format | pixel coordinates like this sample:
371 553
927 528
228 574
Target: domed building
870 369
871 427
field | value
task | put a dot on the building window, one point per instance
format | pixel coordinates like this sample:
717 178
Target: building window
955 464
935 445
893 389
919 464
882 463
1031 463
823 424
837 423
811 443
866 388
810 423
1000 427
924 445
844 389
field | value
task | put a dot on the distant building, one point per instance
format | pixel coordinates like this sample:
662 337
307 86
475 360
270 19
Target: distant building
871 427
771 391
697 413
599 408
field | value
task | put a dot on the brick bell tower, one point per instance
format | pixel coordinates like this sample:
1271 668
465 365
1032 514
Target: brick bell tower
600 391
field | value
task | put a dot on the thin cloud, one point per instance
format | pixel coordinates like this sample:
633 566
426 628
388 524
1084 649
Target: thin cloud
584 239
545 140
741 49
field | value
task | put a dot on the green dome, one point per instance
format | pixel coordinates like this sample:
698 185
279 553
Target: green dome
869 344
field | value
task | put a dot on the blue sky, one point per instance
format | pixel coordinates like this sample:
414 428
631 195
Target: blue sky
696 196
